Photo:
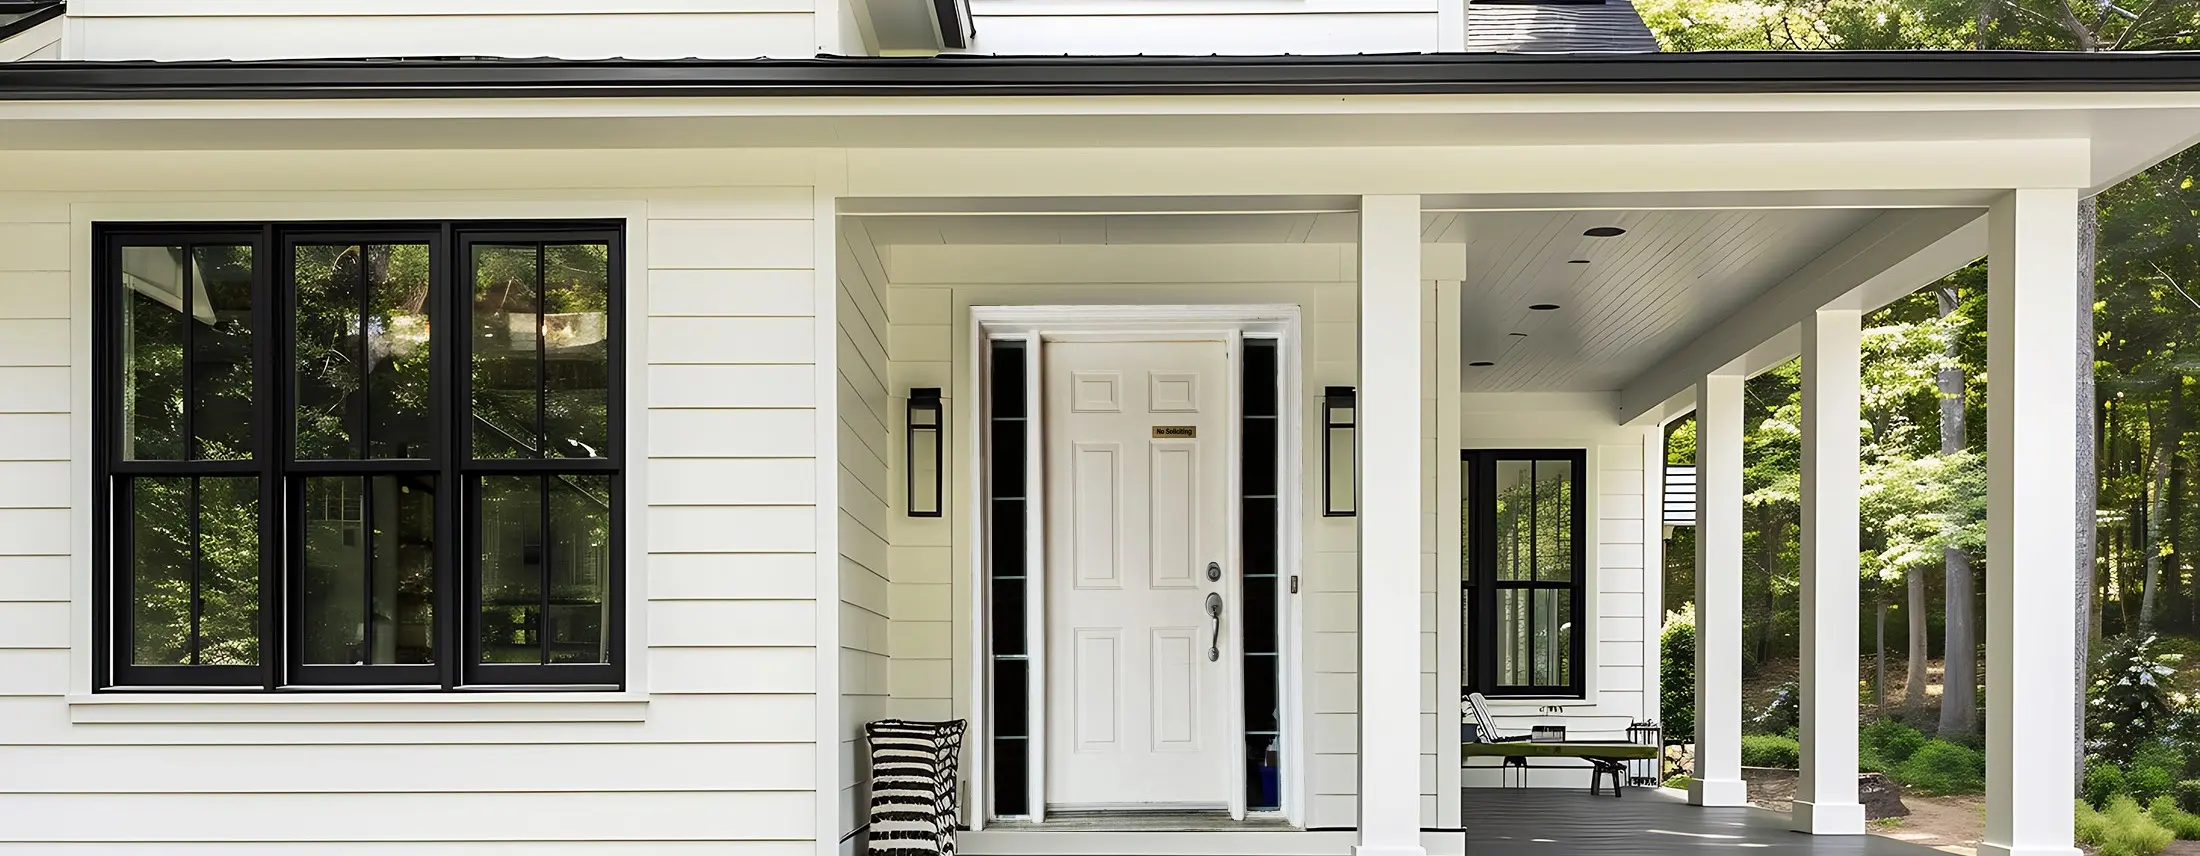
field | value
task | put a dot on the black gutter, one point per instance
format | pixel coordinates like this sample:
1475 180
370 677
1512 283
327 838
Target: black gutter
33 14
1401 74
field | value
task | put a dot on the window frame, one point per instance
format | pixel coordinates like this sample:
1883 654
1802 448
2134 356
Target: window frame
282 478
1479 585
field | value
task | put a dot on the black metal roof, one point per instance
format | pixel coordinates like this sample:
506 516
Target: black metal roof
1558 28
1462 73
19 15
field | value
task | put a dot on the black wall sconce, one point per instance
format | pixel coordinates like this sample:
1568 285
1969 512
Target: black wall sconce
926 452
1340 452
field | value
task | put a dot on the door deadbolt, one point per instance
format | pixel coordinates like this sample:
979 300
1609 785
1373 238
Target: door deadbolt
1214 572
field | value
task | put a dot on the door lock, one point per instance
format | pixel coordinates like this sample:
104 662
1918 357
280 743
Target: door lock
1214 572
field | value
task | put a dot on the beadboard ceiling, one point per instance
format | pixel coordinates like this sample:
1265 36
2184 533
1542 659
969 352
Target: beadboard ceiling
1637 298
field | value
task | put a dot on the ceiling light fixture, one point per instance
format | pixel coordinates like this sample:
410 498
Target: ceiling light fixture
1543 307
1481 364
1577 261
1605 232
1516 333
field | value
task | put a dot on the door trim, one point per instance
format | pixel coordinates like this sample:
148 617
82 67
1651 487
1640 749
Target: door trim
1038 325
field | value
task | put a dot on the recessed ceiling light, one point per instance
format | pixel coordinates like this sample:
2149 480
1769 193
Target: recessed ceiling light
1481 364
1577 261
1516 333
1543 307
1605 232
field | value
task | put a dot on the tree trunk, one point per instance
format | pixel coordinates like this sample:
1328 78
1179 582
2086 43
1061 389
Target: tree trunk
1913 695
2090 414
2165 433
1959 678
1879 654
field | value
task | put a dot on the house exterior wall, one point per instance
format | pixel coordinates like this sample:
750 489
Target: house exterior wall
1624 564
861 434
716 743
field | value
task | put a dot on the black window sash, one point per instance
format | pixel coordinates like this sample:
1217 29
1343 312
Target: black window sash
281 480
1482 586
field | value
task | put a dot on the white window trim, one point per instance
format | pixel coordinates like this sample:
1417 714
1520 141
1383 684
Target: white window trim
353 705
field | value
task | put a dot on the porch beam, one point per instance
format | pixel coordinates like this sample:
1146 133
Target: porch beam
1825 794
1389 493
2031 450
1718 775
1889 257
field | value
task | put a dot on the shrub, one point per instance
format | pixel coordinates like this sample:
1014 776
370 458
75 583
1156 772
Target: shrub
2147 784
1771 750
1941 767
2181 823
2127 707
2121 829
1783 713
1679 783
2188 795
2171 756
1677 674
1890 742
2103 781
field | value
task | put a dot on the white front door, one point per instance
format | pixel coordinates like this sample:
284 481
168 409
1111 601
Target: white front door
1137 463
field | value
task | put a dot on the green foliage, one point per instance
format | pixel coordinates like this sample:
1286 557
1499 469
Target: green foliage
1678 782
2147 784
2121 829
2188 795
1942 767
1677 665
1783 713
2103 782
2181 823
1771 750
1883 744
2128 705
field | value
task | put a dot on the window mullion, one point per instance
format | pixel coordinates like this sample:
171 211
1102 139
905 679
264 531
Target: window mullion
271 359
448 407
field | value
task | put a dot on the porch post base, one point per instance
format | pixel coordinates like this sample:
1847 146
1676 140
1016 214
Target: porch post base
1718 792
1829 818
1388 850
1985 849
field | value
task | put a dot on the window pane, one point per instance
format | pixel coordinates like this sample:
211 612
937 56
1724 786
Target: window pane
576 331
160 571
580 568
1515 520
1535 637
399 316
1554 638
195 606
326 282
369 570
510 546
507 338
221 352
1554 520
151 359
1343 461
229 571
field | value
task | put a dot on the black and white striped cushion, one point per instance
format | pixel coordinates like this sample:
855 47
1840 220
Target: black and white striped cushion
913 785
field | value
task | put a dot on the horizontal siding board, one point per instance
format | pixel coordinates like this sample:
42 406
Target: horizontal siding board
351 770
712 341
34 532
764 244
449 816
732 386
708 576
732 623
734 203
733 529
671 718
728 433
34 246
34 342
34 436
733 670
35 484
34 578
732 481
709 293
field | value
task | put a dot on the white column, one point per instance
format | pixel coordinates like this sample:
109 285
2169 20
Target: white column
2031 450
1389 443
1718 780
1825 796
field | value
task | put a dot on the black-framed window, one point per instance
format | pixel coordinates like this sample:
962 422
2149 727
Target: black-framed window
367 455
1526 574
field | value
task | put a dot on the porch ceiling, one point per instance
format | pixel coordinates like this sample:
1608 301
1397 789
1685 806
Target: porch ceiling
1623 302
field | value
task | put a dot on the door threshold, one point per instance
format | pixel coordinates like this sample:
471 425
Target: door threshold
1145 820
1285 840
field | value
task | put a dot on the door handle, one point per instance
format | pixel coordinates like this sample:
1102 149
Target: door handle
1214 611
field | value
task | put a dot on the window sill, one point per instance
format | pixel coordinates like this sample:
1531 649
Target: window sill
344 707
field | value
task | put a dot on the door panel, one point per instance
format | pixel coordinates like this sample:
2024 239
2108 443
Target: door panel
1136 440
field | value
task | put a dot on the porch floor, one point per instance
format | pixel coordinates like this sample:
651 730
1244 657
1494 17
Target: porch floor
1646 822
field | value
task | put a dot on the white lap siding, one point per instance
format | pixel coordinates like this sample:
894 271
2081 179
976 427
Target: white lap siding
716 746
1620 496
866 414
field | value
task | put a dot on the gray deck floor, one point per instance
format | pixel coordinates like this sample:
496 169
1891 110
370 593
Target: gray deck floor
1646 822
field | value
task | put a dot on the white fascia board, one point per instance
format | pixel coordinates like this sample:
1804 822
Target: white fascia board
22 45
1893 255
